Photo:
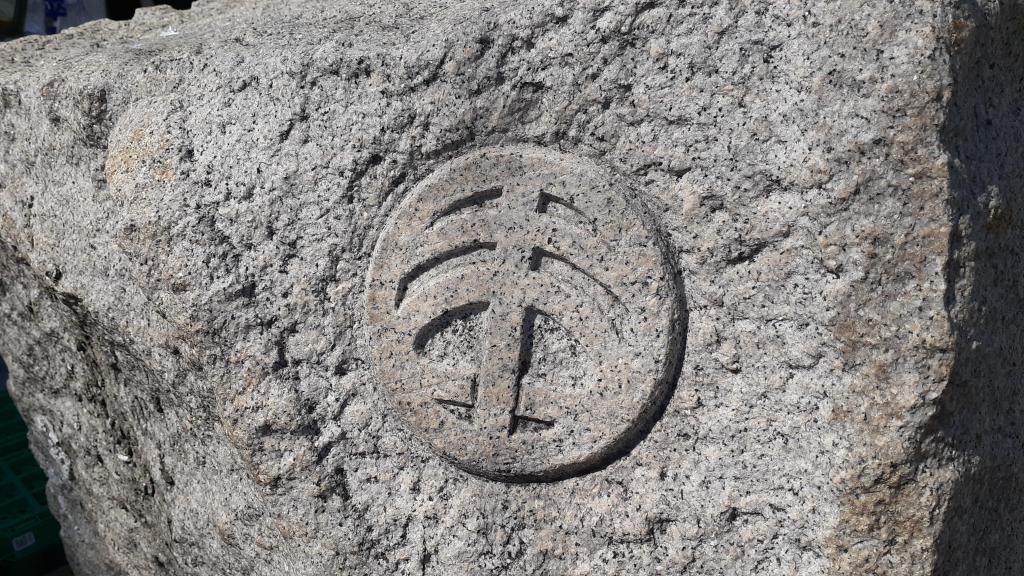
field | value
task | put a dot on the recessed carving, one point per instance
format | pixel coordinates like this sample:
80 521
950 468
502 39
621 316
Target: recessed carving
523 318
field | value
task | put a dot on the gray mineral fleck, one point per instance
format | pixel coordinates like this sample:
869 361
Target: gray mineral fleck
564 288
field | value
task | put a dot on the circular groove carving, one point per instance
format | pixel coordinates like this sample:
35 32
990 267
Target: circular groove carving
523 318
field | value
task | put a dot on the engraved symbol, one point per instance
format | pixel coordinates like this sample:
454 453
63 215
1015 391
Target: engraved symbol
577 315
509 313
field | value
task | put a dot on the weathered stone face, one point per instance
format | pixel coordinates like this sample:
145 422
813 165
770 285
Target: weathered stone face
566 288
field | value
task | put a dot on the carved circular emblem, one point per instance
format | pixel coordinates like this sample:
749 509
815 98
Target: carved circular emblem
522 315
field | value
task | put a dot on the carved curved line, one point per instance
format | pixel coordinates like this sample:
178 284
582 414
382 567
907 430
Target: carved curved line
438 323
474 199
538 254
431 263
546 199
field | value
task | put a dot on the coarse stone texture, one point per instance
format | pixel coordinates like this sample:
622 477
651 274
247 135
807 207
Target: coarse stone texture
190 203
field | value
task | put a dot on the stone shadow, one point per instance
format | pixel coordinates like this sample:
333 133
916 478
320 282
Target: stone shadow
981 413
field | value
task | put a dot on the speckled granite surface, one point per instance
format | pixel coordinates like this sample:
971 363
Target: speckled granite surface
807 215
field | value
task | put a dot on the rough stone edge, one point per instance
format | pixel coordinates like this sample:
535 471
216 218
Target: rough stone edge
893 491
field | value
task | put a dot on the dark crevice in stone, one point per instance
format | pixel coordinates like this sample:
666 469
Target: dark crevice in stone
980 413
125 9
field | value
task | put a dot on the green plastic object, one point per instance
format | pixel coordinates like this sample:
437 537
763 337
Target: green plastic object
28 532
